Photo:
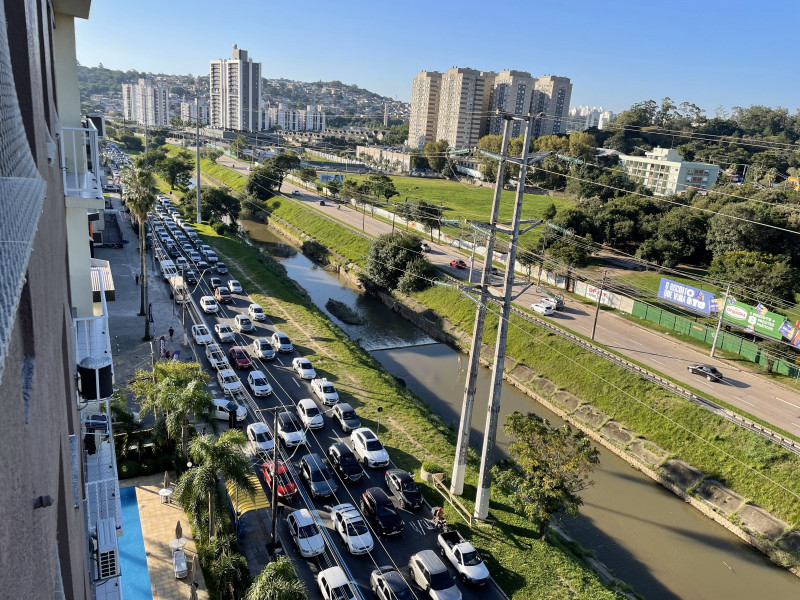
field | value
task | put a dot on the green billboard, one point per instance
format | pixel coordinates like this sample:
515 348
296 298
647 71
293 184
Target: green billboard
754 319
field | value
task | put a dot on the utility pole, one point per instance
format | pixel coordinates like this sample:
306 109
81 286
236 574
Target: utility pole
274 499
719 321
597 308
199 218
493 410
541 266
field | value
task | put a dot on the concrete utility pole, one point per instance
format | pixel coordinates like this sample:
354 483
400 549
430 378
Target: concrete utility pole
719 322
465 426
599 298
197 148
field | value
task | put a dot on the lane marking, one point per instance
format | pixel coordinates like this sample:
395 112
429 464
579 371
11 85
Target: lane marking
658 362
787 402
635 342
745 401
295 382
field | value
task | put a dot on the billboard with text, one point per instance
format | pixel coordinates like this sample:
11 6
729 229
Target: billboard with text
686 296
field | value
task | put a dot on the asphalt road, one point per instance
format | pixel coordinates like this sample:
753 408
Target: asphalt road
288 388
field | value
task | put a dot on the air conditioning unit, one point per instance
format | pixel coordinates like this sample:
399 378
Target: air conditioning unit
105 550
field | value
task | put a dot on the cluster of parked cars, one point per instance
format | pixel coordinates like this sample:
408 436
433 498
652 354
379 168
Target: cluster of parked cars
116 160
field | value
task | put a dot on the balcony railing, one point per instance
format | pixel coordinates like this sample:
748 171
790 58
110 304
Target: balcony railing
80 161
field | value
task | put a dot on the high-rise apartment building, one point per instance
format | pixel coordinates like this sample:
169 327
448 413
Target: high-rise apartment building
464 107
189 111
512 93
146 103
293 119
551 98
235 93
582 118
424 108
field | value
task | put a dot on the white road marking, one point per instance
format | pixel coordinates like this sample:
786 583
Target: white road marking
787 402
295 382
745 401
279 360
637 343
659 362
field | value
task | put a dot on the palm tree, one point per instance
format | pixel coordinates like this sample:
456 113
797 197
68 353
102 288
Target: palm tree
230 573
278 581
139 193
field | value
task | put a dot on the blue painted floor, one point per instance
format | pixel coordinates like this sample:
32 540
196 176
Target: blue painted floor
133 561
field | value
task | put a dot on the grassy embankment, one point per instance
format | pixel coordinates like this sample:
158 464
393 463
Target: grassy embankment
522 565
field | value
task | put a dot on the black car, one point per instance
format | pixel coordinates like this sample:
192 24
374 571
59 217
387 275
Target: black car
190 277
378 509
403 486
345 462
317 476
388 584
706 371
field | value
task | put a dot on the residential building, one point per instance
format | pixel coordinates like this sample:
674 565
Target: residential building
464 107
394 158
582 118
551 99
189 110
60 492
146 103
665 172
512 93
424 108
235 93
291 119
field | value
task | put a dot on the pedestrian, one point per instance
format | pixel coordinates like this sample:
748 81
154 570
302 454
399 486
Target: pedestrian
137 279
171 333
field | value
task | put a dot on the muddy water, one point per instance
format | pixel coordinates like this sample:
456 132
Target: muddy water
660 545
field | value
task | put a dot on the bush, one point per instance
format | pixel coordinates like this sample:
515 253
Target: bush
128 469
165 462
315 251
432 466
148 467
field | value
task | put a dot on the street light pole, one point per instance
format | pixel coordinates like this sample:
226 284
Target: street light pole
274 498
197 152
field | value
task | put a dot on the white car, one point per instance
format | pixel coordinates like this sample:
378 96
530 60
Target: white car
368 447
325 391
290 430
221 410
216 357
305 533
309 414
228 381
258 383
302 367
352 528
256 312
224 332
209 305
333 583
281 342
234 286
242 323
201 334
261 348
260 436
542 309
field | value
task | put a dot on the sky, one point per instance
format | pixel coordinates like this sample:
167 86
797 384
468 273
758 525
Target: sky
616 52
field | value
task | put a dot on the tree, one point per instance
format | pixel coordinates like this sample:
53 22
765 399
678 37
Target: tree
389 256
278 581
744 232
550 212
238 145
220 205
263 182
283 164
307 175
427 214
177 170
139 194
132 142
151 158
770 276
418 274
210 153
550 467
381 185
333 187
436 153
397 136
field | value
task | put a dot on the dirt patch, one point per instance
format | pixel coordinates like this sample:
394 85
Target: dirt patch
720 497
543 386
567 400
647 452
680 473
414 442
760 521
616 432
523 373
591 416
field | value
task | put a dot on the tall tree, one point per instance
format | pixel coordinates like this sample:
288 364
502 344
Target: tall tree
283 164
429 215
263 182
278 581
550 468
436 153
220 205
770 276
307 175
139 194
381 185
177 170
238 145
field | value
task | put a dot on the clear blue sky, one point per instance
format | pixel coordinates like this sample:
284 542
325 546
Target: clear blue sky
616 52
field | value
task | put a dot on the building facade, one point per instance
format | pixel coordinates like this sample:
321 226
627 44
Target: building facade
665 172
424 108
551 99
463 107
146 103
235 93
189 111
582 118
512 93
312 118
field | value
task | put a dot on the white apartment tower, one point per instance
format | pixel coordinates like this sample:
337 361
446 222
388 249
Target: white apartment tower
464 107
235 93
190 108
424 108
292 119
145 103
551 98
665 172
512 93
584 117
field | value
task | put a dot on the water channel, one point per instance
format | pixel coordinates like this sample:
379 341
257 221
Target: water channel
648 537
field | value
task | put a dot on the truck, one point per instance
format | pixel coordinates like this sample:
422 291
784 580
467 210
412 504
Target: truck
464 557
179 290
168 269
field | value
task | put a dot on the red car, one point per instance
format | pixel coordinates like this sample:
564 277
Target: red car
238 358
458 263
287 490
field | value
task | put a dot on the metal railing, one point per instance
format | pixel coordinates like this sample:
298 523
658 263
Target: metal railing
80 161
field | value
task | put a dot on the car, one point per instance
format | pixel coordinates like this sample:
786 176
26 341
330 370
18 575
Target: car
201 334
224 333
290 430
281 342
542 309
258 383
305 533
309 414
261 348
211 257
707 371
317 475
195 257
209 305
295 193
239 358
221 294
368 448
256 312
556 303
214 282
402 485
350 526
242 323
378 509
216 357
424 247
221 268
388 584
228 381
260 436
333 583
234 286
346 415
201 265
458 263
190 277
302 366
222 408
344 462
426 569
325 391
287 489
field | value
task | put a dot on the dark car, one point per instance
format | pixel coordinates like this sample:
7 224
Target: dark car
403 486
287 490
317 476
345 462
706 371
388 584
214 282
190 277
378 509
239 358
458 263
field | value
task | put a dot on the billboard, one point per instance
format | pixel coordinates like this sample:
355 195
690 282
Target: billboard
329 177
686 296
756 319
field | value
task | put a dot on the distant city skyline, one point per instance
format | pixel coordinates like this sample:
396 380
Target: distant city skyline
616 53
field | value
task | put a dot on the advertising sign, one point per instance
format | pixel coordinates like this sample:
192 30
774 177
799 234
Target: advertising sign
328 177
686 296
756 319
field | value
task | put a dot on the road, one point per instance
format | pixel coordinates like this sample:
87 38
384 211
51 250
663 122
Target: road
288 388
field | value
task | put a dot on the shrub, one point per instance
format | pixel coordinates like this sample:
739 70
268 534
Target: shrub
165 462
128 469
148 467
